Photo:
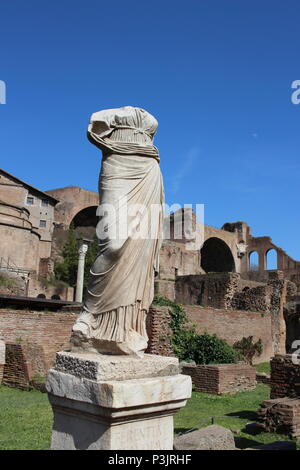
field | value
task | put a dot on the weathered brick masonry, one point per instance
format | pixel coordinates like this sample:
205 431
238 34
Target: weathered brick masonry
233 308
212 290
263 378
51 330
159 331
281 415
23 362
16 370
257 299
285 377
222 379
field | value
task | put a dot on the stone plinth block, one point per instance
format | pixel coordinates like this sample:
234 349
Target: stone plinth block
95 366
124 412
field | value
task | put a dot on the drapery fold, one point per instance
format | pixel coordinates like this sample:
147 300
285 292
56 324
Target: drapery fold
121 286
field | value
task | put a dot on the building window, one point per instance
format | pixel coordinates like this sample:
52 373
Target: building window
30 200
44 203
43 223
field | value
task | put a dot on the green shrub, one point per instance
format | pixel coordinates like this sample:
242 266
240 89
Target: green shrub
5 281
247 349
209 349
189 345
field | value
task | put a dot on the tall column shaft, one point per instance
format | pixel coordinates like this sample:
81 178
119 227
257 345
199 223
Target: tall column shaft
80 272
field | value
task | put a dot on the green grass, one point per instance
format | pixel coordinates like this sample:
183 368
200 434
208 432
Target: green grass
7 282
25 420
231 411
263 367
26 417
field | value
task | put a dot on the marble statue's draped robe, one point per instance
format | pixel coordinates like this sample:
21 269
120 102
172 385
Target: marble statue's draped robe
121 286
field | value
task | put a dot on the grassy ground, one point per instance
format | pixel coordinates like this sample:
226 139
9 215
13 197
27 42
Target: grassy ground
231 411
263 367
25 420
26 417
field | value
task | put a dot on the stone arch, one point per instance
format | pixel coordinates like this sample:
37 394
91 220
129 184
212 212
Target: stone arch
216 256
72 200
41 296
85 222
55 297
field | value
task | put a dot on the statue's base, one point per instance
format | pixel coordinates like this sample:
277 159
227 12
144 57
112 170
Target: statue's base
132 413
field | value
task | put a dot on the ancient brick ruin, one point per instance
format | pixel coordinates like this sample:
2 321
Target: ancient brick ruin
223 293
282 412
285 377
281 415
221 379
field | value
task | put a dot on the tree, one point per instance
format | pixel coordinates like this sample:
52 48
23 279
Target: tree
67 270
91 255
248 349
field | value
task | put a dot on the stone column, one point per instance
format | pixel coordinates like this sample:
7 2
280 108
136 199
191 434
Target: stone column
80 272
106 402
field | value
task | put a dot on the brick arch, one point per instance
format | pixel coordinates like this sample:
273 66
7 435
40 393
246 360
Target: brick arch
216 256
263 245
85 222
72 200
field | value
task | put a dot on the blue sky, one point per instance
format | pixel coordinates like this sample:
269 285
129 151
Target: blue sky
216 74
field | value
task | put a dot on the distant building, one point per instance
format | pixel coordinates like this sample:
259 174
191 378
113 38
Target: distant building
26 223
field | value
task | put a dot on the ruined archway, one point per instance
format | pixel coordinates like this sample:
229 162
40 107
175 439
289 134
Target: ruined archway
85 222
271 259
253 261
216 256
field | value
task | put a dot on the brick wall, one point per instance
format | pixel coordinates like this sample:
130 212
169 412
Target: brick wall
165 289
159 331
285 377
36 287
23 361
16 368
263 378
220 379
212 290
52 330
233 325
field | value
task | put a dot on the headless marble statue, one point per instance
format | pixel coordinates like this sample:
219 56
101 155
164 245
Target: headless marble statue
121 286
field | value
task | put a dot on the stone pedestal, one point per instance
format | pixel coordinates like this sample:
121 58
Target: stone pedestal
103 402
